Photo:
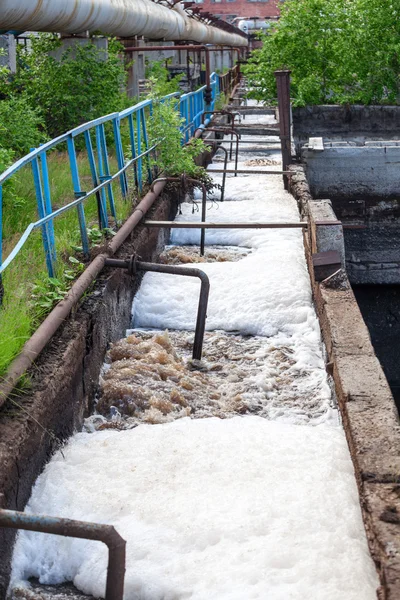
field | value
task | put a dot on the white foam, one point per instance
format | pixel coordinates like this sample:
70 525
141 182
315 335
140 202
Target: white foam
236 509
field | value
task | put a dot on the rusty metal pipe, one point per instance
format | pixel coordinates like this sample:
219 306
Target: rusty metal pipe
244 225
198 48
61 311
133 265
201 185
283 91
232 132
255 172
78 529
216 142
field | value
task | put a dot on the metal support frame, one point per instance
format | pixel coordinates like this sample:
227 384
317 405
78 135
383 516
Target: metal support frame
194 47
133 266
227 130
78 529
283 89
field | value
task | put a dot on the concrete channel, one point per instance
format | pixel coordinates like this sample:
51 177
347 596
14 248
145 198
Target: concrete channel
269 469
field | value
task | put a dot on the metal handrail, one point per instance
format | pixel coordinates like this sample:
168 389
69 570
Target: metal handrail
191 107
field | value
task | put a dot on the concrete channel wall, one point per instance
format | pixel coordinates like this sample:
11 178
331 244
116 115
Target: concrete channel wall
369 415
65 378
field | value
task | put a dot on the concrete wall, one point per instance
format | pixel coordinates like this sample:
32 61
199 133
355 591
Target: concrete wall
354 122
8 45
363 184
348 170
367 408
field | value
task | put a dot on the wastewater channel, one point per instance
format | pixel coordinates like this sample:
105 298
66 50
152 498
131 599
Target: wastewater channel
230 478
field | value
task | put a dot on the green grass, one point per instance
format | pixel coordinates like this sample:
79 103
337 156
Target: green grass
20 312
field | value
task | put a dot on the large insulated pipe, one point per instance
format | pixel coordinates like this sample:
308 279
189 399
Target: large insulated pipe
123 18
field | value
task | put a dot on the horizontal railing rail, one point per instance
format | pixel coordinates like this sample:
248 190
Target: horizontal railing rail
94 138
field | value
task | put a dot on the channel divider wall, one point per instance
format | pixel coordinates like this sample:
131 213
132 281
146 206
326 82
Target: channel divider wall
369 415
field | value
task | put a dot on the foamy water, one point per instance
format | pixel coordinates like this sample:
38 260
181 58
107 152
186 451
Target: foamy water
262 505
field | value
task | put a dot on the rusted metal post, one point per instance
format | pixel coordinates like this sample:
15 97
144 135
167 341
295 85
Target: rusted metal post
214 143
208 90
228 131
200 185
78 529
283 89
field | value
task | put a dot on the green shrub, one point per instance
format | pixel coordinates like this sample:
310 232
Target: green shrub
81 85
160 82
173 159
21 126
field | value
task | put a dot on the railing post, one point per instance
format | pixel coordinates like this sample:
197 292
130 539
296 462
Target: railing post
78 194
283 89
120 156
47 204
42 213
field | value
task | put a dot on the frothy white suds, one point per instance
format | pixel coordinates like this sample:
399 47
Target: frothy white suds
212 509
222 509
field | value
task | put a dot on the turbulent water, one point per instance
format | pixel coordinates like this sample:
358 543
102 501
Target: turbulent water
230 478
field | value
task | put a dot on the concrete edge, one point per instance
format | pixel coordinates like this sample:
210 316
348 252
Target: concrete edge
368 411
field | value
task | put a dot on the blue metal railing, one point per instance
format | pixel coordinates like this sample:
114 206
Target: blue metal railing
95 134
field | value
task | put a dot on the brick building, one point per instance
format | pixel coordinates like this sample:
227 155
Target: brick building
228 10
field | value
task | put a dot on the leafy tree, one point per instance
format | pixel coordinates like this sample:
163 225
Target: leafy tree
339 51
82 84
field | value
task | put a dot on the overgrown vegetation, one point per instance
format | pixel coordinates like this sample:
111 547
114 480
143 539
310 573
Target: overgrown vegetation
173 158
161 83
58 90
48 96
29 294
339 51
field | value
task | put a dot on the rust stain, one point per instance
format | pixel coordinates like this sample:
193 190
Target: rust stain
39 6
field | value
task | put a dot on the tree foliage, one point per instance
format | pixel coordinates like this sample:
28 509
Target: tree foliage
339 51
70 88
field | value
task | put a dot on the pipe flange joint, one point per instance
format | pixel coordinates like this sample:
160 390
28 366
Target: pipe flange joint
132 267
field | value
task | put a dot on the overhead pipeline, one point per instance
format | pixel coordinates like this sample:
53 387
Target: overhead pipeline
122 18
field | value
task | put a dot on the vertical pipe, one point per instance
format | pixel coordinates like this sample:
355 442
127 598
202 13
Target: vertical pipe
133 148
146 143
208 91
78 193
139 148
283 89
120 155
